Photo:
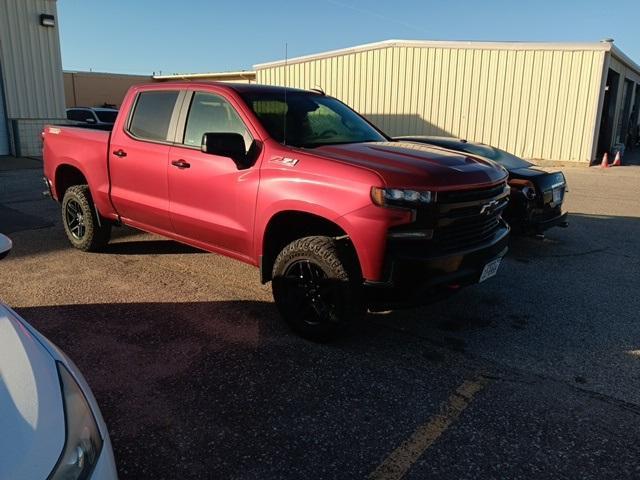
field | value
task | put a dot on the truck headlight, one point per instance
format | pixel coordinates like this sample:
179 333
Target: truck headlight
83 442
399 197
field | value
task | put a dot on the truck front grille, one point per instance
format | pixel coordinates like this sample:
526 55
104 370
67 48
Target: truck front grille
466 233
457 196
461 219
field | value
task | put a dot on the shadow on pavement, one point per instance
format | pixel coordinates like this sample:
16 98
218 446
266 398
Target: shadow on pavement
12 220
214 389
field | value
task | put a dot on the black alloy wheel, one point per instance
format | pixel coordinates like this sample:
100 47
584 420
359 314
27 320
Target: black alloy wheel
311 293
317 287
75 219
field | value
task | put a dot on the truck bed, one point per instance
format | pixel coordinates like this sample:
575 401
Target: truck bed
106 128
83 148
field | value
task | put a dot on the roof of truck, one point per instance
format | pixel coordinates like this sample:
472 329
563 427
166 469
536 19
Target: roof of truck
238 87
256 87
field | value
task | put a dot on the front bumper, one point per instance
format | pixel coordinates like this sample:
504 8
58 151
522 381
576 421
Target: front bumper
542 224
105 468
413 279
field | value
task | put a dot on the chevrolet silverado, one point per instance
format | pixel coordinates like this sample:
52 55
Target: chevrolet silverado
336 214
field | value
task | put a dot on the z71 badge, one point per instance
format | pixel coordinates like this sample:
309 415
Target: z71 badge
286 161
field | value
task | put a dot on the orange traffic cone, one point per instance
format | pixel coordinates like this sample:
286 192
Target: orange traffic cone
618 160
605 161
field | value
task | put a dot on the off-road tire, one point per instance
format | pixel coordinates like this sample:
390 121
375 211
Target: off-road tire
95 234
341 282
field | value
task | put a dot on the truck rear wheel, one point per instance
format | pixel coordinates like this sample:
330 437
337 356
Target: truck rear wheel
80 220
316 287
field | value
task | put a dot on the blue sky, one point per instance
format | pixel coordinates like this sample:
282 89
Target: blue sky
144 36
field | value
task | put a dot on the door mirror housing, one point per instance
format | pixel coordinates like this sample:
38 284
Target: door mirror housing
226 145
5 246
90 120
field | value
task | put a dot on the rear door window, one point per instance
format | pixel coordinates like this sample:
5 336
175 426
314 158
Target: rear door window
152 115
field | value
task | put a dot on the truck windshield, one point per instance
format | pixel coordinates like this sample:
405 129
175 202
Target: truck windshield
312 120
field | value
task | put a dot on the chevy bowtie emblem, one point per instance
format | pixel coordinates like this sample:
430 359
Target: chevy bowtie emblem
489 208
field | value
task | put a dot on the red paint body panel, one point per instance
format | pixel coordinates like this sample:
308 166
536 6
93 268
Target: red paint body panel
212 201
411 165
85 150
139 183
218 207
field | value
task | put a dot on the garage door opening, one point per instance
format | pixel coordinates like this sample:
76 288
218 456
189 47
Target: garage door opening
624 121
633 132
605 136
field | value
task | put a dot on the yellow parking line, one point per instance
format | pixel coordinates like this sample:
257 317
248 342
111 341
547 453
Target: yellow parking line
398 463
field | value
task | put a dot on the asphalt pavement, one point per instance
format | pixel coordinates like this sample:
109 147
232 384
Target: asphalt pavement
533 374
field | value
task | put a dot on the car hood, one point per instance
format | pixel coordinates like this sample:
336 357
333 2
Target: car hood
32 414
544 181
526 172
409 164
5 246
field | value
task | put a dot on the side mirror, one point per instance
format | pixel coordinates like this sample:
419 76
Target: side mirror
226 145
90 120
5 246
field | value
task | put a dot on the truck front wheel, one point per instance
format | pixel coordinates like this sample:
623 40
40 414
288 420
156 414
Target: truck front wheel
316 287
80 220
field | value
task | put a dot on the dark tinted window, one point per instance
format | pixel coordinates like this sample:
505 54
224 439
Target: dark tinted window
213 114
107 116
152 115
79 115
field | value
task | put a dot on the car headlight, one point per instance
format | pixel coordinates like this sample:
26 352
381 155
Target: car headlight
560 178
83 442
525 187
398 197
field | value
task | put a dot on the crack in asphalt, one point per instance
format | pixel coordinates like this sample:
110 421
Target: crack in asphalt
577 254
517 372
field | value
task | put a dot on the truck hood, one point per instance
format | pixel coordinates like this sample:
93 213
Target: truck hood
409 164
32 414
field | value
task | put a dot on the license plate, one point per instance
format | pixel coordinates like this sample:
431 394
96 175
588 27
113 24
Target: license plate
557 194
490 269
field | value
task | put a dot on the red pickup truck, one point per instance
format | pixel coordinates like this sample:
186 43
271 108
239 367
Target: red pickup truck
338 215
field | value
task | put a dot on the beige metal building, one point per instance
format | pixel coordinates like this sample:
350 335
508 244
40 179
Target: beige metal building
544 101
31 86
95 89
242 76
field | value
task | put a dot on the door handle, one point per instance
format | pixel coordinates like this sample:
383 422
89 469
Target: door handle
120 153
181 164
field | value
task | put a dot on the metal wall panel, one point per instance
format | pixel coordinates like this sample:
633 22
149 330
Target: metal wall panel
538 103
626 73
93 89
31 62
4 125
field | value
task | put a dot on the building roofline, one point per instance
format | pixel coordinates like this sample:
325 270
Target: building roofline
83 72
595 46
184 76
621 56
